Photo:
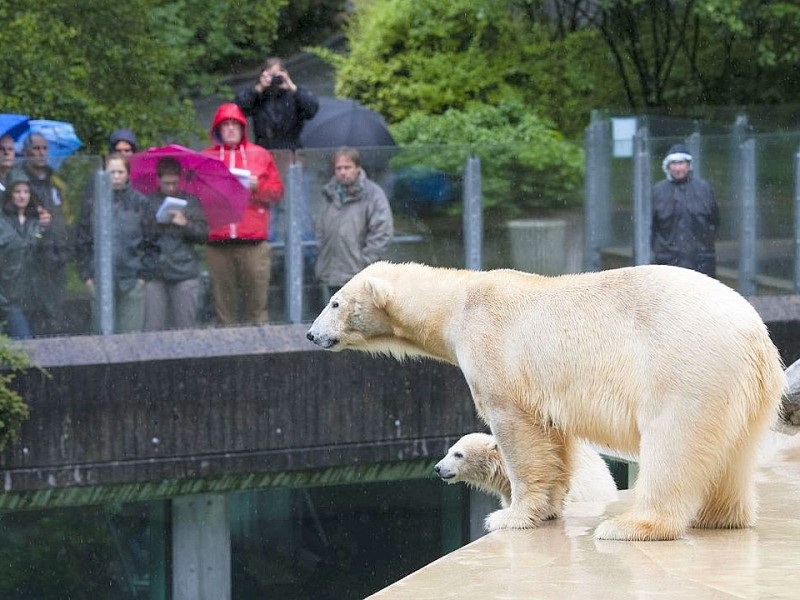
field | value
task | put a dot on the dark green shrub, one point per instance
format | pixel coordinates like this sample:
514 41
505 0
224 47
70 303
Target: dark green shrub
13 410
526 164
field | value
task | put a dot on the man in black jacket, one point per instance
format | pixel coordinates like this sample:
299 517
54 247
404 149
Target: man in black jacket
685 216
278 106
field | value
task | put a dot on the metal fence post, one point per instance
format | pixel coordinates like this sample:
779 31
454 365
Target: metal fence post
749 233
797 222
642 202
293 249
597 201
693 143
473 214
102 226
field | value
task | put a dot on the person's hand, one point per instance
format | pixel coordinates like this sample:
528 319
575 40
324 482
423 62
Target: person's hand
287 84
178 218
89 284
44 216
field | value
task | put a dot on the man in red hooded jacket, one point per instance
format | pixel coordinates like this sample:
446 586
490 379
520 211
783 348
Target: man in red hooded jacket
238 255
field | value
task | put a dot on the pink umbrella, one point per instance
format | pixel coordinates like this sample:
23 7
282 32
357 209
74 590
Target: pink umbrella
221 194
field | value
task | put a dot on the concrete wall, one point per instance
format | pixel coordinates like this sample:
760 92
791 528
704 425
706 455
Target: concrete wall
183 410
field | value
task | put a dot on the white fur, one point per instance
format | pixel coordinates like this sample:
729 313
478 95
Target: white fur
656 362
475 459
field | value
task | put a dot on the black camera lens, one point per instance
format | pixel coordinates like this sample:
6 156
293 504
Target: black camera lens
277 80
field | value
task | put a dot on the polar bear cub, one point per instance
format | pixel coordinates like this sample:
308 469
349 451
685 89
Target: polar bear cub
475 459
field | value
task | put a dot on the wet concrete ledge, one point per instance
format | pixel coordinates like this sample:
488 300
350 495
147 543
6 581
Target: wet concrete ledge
780 312
168 345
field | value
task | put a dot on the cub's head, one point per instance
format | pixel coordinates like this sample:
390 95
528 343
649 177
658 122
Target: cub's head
475 459
356 314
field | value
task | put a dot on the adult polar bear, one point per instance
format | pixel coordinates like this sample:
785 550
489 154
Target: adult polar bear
656 362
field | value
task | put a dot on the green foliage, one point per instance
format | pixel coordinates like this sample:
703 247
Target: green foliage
225 34
669 53
428 56
526 164
13 410
97 65
135 64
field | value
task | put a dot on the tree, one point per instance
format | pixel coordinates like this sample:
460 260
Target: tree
104 65
408 56
688 52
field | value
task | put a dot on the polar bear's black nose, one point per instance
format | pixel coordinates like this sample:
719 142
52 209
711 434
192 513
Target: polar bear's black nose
437 468
310 336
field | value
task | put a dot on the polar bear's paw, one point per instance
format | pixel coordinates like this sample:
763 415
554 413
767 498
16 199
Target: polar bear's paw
639 530
510 518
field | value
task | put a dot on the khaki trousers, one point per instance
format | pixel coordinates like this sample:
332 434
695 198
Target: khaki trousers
239 276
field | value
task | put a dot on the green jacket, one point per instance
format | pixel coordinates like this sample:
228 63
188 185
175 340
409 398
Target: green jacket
18 261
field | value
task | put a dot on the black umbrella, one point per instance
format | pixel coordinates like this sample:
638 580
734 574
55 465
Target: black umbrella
345 123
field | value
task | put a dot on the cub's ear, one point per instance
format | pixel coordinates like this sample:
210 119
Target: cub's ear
381 291
493 444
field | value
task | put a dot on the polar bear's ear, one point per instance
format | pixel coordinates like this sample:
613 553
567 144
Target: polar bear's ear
381 291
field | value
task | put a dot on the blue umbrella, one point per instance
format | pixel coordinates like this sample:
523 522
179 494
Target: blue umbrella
62 141
14 125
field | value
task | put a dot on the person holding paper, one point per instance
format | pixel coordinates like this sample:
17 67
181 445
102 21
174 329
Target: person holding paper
174 224
128 210
238 255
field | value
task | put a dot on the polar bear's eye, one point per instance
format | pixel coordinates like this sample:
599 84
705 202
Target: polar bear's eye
334 304
458 454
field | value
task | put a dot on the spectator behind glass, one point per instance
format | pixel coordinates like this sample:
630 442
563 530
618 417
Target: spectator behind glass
128 210
47 316
122 141
278 106
21 224
354 225
238 255
7 158
172 263
685 216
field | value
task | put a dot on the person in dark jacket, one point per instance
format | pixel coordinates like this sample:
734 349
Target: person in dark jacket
685 216
122 141
48 316
22 222
8 158
128 209
171 261
278 106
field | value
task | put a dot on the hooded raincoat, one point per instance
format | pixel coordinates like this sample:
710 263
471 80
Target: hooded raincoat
685 220
20 245
255 221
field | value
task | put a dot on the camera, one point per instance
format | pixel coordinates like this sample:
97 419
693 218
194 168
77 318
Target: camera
276 80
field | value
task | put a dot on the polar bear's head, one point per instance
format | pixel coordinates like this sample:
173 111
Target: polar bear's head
475 459
354 315
362 315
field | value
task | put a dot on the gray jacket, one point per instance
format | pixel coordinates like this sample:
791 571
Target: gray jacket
352 231
128 209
